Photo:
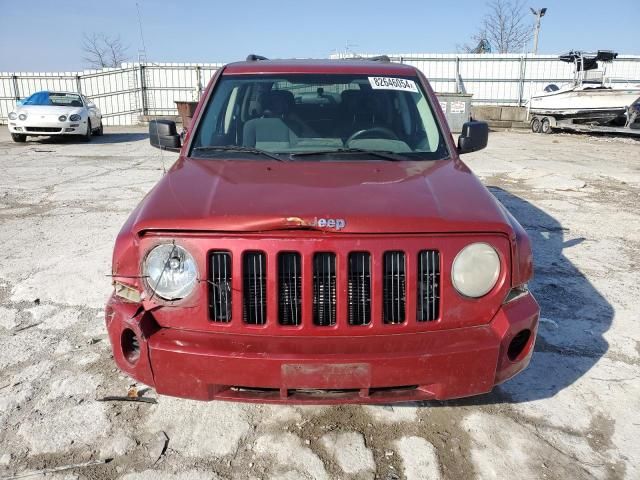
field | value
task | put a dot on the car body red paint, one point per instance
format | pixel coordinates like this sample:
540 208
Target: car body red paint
256 204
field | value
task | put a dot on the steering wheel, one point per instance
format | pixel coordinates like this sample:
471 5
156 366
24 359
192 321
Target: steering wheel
376 132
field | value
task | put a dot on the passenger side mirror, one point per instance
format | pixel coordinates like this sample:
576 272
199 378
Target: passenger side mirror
91 105
474 136
163 135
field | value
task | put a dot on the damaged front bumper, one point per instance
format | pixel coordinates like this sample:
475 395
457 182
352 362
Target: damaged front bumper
440 365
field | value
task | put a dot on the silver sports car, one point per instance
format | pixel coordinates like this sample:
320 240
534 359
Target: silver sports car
55 113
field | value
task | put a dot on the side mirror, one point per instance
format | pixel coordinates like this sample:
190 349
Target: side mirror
91 105
163 135
474 137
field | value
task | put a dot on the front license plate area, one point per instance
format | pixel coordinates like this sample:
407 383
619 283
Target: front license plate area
326 375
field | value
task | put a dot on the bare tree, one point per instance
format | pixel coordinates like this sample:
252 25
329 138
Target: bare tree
102 51
504 28
478 44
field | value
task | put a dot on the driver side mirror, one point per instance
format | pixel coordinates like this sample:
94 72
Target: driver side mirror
163 135
474 137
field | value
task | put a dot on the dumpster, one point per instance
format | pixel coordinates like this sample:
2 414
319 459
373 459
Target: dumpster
457 109
186 111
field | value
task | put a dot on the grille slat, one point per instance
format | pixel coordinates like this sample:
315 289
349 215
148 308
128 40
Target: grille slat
428 304
359 288
254 284
289 289
394 288
220 287
324 289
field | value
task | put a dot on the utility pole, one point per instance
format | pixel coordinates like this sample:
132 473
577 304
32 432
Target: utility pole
538 14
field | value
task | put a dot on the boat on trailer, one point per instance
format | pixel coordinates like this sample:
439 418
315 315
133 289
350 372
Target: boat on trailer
591 100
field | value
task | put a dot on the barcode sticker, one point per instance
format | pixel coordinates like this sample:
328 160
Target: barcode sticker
391 83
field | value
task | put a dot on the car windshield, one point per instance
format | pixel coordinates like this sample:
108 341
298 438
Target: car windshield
54 98
319 117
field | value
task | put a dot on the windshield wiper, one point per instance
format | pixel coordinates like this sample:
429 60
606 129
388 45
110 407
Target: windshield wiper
237 148
384 154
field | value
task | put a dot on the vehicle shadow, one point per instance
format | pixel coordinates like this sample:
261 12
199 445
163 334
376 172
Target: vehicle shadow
574 314
108 137
119 137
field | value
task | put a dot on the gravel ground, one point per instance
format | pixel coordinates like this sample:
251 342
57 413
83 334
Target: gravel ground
574 413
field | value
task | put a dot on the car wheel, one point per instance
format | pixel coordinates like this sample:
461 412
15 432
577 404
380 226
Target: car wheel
535 125
545 126
18 137
100 130
87 135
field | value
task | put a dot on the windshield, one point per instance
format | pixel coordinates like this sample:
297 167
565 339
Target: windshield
319 117
55 99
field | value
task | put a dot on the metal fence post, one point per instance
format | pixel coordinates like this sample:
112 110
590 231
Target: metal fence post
78 84
199 81
458 79
16 92
521 85
143 91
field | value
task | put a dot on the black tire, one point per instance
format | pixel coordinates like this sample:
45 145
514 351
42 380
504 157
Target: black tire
98 132
18 137
545 126
535 125
87 136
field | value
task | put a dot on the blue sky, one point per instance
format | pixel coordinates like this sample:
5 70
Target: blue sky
44 35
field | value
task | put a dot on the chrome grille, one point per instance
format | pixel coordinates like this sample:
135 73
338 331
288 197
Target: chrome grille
220 287
394 287
289 289
428 294
359 288
254 286
324 289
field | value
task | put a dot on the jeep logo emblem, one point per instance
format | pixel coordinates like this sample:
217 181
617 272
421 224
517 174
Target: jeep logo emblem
337 223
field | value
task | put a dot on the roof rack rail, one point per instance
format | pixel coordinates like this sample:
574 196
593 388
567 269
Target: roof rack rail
380 58
252 57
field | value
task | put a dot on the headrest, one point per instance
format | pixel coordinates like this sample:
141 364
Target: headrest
277 102
350 98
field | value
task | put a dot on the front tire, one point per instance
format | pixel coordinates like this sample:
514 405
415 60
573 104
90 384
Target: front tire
99 131
18 137
87 136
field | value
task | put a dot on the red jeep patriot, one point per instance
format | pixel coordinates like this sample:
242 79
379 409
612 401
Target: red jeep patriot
319 240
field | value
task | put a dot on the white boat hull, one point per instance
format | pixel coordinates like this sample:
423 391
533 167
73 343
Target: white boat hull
585 103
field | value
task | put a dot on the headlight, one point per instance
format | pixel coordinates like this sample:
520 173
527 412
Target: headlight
475 270
170 271
13 116
62 118
22 116
75 117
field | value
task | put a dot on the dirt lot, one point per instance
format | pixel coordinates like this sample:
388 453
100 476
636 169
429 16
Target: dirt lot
574 414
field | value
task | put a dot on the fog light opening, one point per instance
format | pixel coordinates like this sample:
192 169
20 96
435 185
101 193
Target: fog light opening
130 345
518 344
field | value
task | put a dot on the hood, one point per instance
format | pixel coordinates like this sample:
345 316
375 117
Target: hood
349 197
48 110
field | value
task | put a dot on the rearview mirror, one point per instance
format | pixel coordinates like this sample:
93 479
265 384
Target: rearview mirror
163 135
474 137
